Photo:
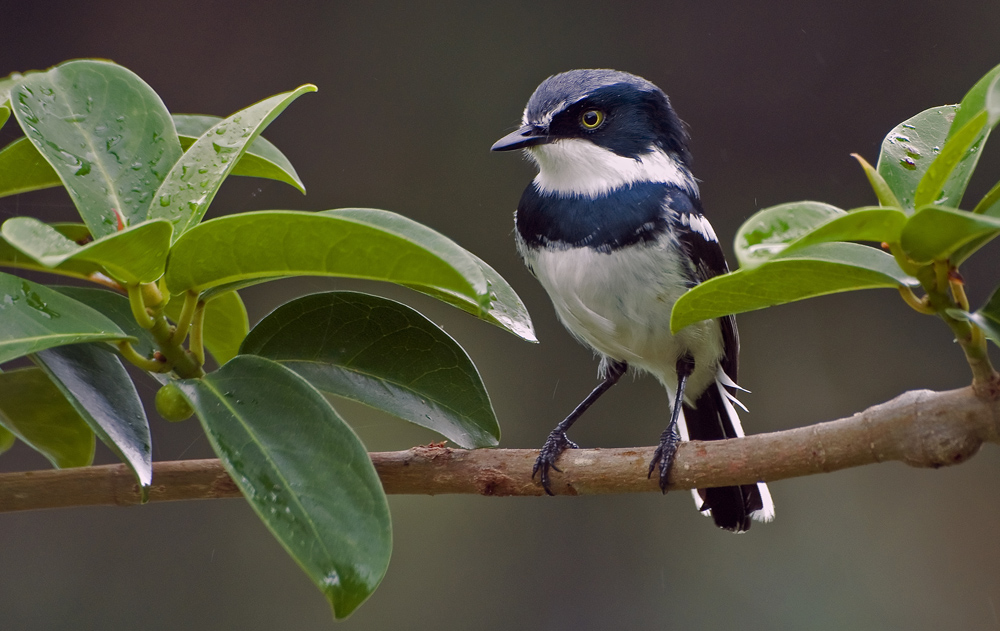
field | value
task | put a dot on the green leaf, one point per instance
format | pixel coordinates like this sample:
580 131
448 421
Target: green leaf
303 471
872 223
105 132
383 354
882 189
34 410
981 96
96 384
116 308
934 233
990 203
35 318
909 149
949 174
7 439
4 115
961 147
226 323
12 257
23 169
241 250
987 318
192 183
137 254
769 231
817 270
262 159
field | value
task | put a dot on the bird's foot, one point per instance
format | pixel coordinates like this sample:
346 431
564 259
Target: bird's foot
664 456
555 444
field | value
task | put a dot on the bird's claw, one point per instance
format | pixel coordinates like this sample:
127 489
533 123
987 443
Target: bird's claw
664 457
555 444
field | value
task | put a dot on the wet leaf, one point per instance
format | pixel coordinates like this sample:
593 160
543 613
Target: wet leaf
33 409
769 231
137 254
302 469
910 148
194 180
96 384
35 318
262 159
105 132
383 354
816 270
116 308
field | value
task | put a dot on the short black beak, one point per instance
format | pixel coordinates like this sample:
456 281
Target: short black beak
527 136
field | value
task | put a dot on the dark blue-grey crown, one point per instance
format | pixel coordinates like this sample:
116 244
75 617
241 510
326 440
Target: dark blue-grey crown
647 118
569 87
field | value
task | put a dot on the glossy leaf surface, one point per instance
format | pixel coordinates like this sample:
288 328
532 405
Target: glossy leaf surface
241 250
769 231
115 307
33 409
383 354
12 257
23 169
910 148
137 254
860 224
96 384
105 132
194 180
262 159
35 318
302 469
817 270
948 175
934 233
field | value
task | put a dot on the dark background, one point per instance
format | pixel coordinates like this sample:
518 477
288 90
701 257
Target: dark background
411 96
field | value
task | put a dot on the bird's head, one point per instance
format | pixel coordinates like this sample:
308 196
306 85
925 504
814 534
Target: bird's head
591 131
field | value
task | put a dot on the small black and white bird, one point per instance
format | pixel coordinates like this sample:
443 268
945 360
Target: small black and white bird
612 227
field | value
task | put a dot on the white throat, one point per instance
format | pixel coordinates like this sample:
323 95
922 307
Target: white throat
573 166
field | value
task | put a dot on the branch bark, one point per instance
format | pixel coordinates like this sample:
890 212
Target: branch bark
921 428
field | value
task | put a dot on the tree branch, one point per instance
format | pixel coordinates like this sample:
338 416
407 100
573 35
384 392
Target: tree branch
921 428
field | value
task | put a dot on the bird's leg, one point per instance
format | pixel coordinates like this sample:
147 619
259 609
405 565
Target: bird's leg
669 439
557 442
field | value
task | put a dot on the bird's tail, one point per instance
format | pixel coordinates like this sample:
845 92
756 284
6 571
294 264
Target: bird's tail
713 417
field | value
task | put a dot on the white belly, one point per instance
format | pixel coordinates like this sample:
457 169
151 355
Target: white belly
619 304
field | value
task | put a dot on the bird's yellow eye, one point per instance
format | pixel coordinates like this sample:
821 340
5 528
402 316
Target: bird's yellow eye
592 119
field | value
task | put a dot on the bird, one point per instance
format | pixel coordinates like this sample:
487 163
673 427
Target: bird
612 227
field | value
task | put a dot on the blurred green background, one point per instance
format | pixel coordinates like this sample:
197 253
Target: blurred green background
777 95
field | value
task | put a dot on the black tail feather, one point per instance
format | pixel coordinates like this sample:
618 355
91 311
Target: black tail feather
731 506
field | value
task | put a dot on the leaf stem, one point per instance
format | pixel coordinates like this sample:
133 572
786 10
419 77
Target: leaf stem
187 314
138 304
920 305
197 344
129 353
